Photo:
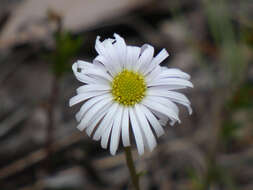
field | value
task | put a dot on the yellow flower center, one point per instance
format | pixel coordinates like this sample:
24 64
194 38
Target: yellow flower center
128 88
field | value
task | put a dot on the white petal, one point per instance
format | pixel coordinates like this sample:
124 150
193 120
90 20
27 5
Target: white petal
81 97
121 48
136 131
116 129
174 96
91 70
97 72
161 108
93 123
160 57
125 128
84 78
81 77
163 122
83 65
100 65
170 73
153 74
181 99
107 63
106 121
92 113
171 81
106 135
112 54
145 127
99 47
133 53
166 102
153 121
145 58
87 105
92 87
167 87
105 56
163 119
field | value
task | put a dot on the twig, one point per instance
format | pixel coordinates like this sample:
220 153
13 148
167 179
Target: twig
54 94
50 115
11 122
39 155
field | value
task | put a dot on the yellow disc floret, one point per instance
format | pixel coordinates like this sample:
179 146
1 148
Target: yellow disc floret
128 88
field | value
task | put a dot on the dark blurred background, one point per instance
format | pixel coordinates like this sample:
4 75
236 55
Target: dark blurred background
41 149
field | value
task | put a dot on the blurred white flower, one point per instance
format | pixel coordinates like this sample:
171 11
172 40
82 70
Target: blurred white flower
125 87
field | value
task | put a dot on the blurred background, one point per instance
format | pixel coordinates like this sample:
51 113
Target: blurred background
41 149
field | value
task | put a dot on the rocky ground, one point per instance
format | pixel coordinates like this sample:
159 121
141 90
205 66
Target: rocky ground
40 145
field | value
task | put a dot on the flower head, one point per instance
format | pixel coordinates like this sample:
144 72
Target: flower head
127 89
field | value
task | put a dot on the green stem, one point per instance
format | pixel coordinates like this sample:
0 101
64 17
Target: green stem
131 167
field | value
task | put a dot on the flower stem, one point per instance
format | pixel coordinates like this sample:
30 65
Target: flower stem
131 167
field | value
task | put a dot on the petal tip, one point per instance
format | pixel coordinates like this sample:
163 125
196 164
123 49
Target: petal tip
70 103
113 152
126 144
116 35
190 111
140 152
80 127
160 134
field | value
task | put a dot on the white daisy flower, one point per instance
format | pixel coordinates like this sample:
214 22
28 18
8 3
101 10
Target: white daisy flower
125 87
